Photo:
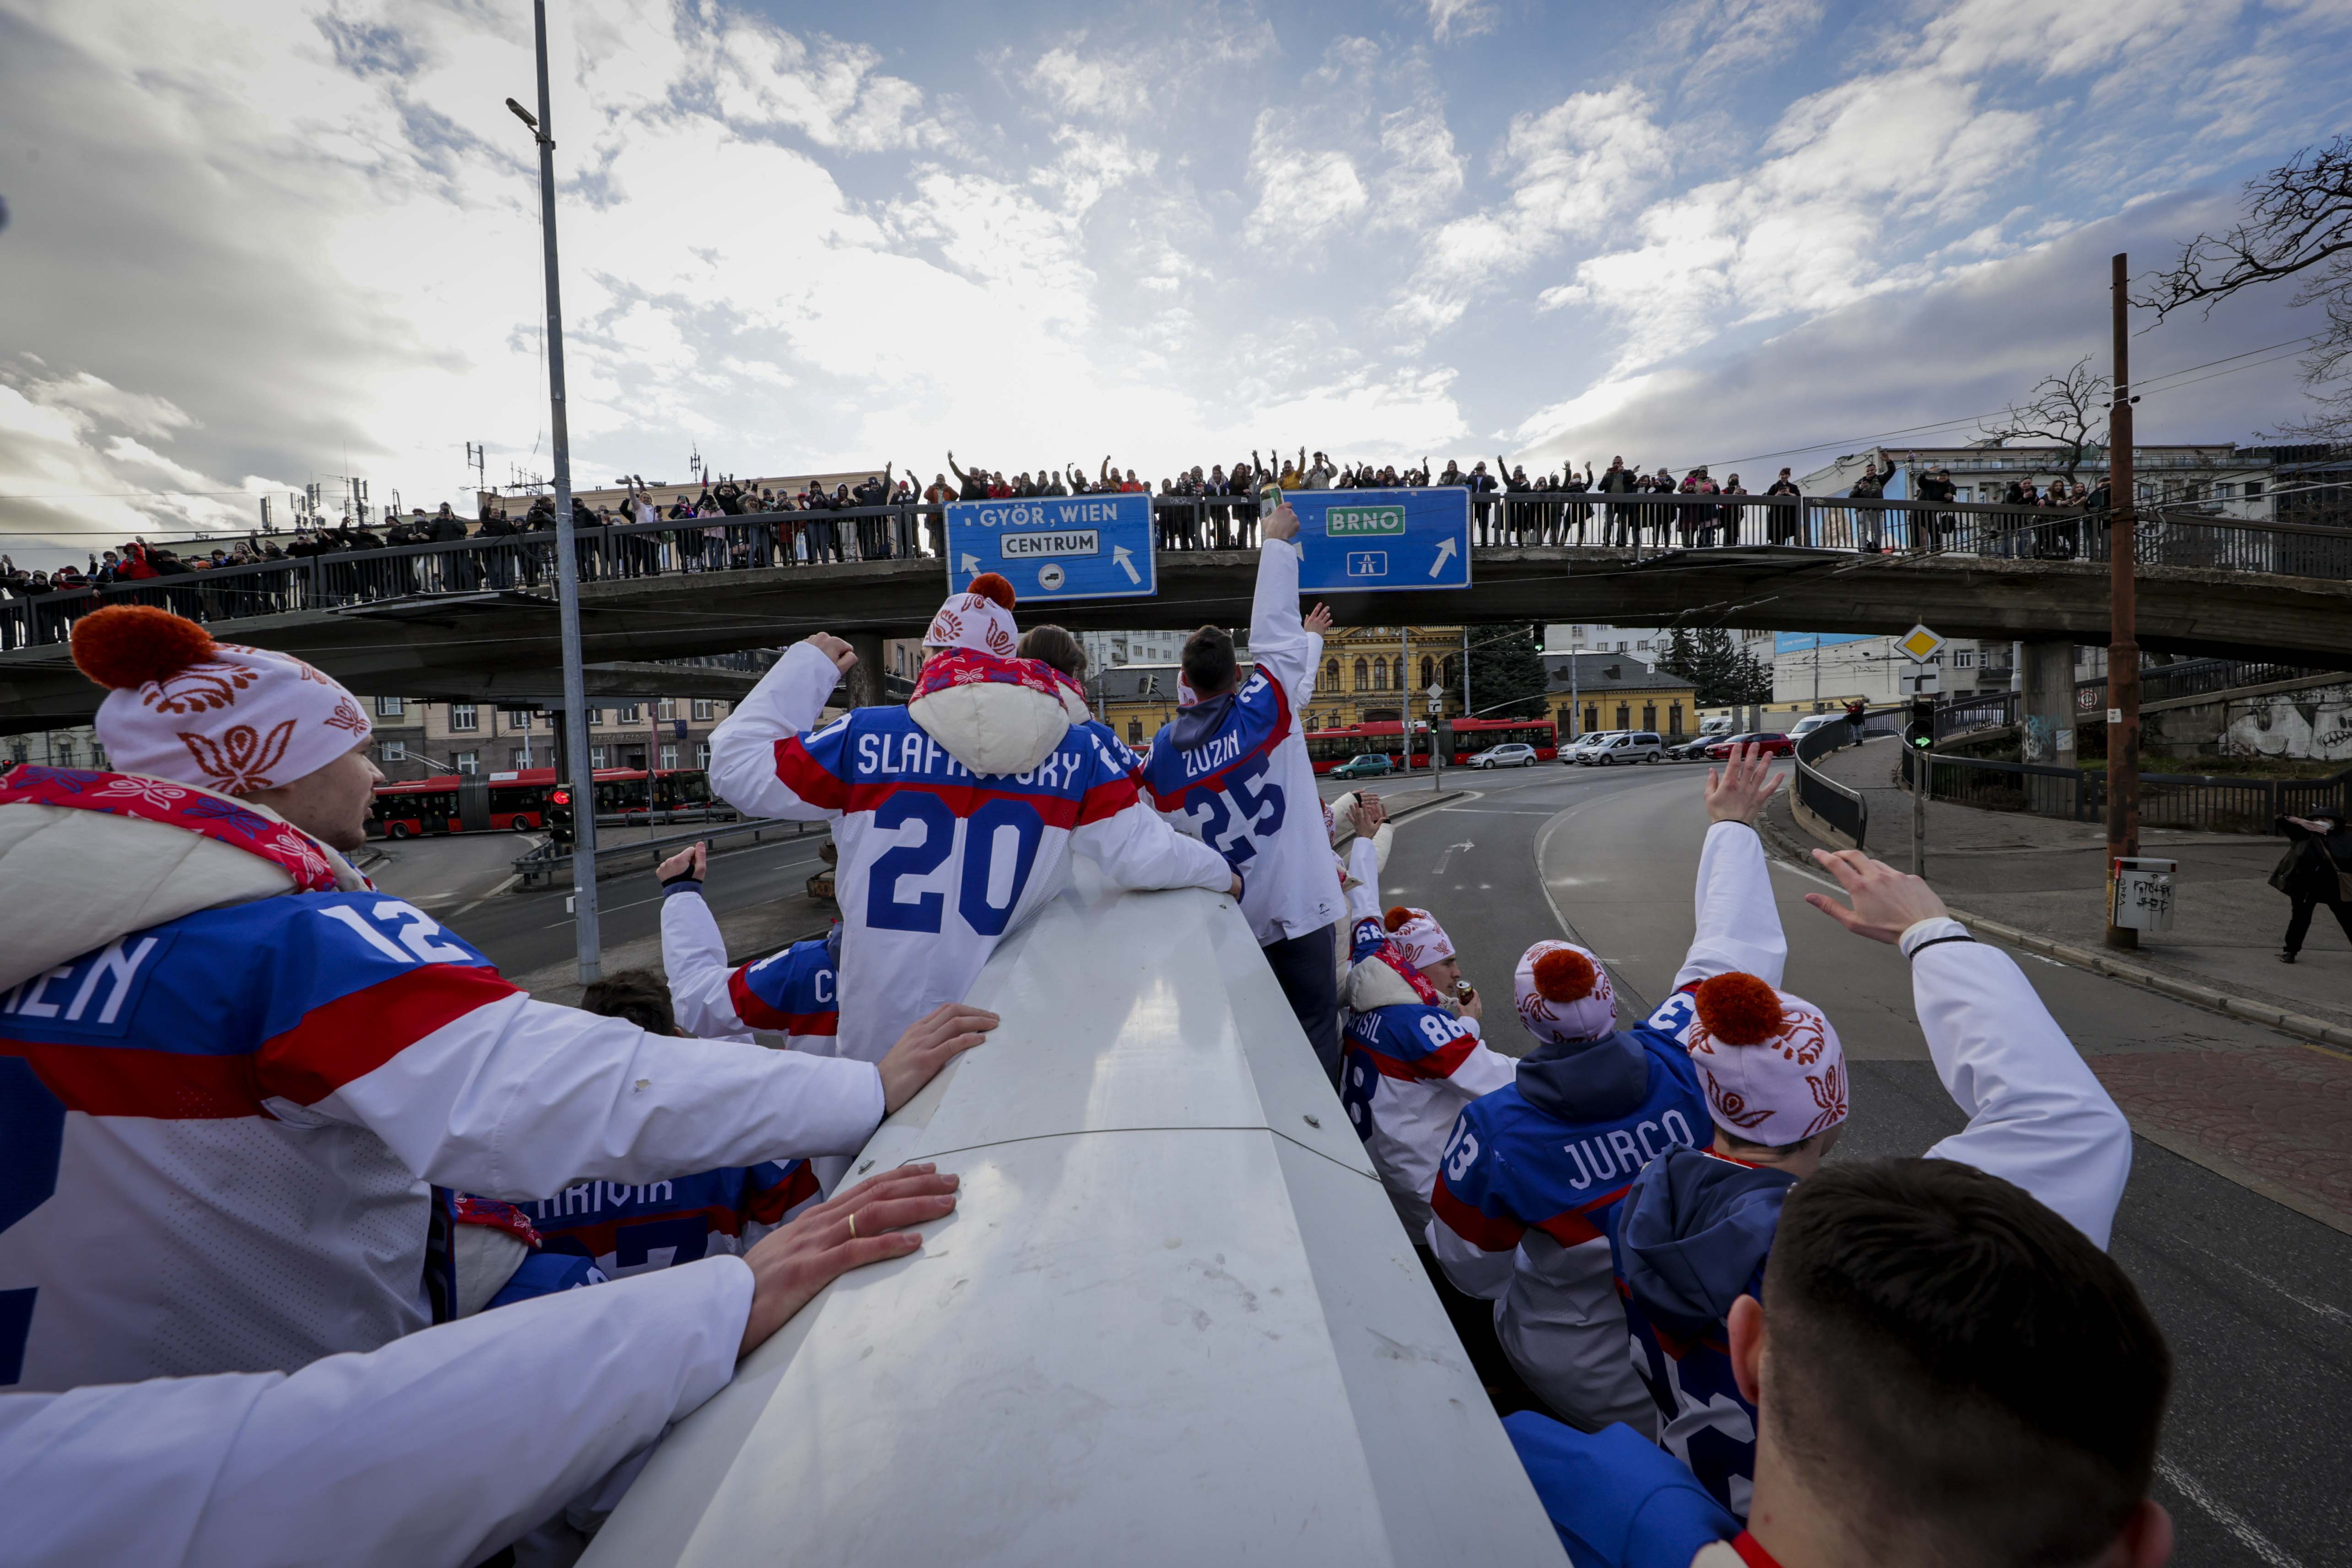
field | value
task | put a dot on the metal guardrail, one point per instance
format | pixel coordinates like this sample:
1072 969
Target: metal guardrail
1844 810
1647 525
547 863
2196 803
2158 683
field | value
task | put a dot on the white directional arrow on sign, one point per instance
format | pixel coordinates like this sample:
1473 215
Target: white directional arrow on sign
971 563
1125 560
1445 553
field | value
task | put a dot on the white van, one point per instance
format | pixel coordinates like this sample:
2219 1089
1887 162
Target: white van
1626 746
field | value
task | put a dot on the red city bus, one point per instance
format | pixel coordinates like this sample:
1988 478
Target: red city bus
516 802
1330 748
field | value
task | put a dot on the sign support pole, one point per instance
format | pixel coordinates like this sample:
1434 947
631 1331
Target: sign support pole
2122 633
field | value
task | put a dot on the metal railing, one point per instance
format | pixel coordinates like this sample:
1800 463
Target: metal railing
1842 809
2198 802
2158 683
1644 526
547 863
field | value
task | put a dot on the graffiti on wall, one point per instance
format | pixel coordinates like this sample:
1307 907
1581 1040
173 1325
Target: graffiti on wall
2315 722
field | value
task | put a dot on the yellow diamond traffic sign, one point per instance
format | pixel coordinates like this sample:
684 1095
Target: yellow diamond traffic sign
1918 643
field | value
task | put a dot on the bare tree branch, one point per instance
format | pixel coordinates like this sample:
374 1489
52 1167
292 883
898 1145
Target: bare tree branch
2060 409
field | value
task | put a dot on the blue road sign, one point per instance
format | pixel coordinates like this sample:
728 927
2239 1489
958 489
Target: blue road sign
1055 547
1356 542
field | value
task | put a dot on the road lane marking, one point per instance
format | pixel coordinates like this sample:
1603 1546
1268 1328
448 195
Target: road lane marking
1439 869
2227 1518
2333 1314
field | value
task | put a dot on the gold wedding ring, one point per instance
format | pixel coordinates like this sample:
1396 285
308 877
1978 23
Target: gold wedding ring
853 1226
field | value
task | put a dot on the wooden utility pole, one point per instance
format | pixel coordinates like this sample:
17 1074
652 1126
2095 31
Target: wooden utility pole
2123 635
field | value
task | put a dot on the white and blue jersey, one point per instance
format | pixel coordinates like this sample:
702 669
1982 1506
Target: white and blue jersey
215 1133
937 863
1233 771
630 1228
793 992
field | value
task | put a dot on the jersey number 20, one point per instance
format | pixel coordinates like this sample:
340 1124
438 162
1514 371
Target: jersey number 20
1000 849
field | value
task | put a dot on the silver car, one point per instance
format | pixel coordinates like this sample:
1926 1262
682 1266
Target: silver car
1513 755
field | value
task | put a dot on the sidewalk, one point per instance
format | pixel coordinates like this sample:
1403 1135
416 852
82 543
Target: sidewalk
2049 877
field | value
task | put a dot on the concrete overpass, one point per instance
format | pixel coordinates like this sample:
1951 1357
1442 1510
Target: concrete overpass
487 644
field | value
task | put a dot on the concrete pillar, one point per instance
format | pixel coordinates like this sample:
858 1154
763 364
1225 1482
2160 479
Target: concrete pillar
863 688
2046 726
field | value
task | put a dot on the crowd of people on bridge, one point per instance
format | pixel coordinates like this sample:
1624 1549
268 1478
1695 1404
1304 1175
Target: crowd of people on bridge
320 1240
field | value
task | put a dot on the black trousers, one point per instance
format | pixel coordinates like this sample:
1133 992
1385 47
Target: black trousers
2298 924
1309 973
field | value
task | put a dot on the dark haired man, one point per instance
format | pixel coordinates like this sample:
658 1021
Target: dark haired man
1948 1372
1231 769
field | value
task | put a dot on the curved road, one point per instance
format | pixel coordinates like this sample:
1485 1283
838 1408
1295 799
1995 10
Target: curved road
2253 1295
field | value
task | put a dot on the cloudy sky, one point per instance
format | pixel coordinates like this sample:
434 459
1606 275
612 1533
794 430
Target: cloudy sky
256 243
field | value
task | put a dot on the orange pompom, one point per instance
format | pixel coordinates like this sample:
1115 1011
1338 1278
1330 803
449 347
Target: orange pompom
990 586
130 645
1396 917
1740 1010
1564 974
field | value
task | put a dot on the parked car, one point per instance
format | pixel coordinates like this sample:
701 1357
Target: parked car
1774 742
1693 749
1515 755
1369 765
1583 749
1813 721
1627 746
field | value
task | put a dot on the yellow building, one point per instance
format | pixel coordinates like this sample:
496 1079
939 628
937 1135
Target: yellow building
1364 679
1617 692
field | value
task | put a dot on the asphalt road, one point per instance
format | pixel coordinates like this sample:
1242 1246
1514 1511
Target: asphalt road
2253 1296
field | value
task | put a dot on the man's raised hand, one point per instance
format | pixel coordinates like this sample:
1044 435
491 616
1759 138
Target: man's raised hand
1367 814
1886 902
692 861
864 1225
1319 619
1281 524
833 648
1739 793
929 1043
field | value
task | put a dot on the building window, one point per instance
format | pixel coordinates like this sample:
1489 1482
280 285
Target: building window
1624 716
518 757
1963 658
669 755
1673 718
596 758
2254 490
1399 672
1135 726
1649 716
62 752
392 750
704 709
702 755
628 712
595 717
1332 673
1592 717
1363 677
2225 491
668 708
462 716
1428 672
469 763
518 719
1641 646
391 707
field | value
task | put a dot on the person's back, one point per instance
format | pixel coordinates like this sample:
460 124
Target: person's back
954 815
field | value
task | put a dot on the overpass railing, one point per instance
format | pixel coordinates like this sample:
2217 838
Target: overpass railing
1842 809
1642 526
2195 803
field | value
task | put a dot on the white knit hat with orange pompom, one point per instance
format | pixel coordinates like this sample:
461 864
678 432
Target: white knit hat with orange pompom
226 717
1772 1065
979 618
1419 936
1563 992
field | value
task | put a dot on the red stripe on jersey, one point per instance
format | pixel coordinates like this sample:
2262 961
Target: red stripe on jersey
771 1206
1104 801
962 800
1751 1551
112 1080
754 1010
1443 1061
807 778
604 1237
1570 1227
1487 1232
352 1035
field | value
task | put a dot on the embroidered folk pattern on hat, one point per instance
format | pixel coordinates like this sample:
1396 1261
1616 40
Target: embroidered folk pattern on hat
228 717
1419 936
980 618
1772 1065
1563 992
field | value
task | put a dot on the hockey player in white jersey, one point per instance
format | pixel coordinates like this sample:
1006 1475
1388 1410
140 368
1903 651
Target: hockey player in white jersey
438 1449
1231 767
229 1068
793 992
955 815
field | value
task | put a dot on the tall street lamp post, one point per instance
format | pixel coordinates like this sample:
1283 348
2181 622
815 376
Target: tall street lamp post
567 561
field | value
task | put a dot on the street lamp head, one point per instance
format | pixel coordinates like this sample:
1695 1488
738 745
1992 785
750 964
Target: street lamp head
524 115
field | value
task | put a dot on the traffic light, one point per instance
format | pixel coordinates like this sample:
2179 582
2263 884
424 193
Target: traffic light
559 815
1920 729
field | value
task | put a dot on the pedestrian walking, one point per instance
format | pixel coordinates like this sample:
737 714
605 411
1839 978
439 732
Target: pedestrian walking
2313 872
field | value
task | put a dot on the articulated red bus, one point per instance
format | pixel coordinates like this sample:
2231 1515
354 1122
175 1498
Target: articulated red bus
1330 748
516 802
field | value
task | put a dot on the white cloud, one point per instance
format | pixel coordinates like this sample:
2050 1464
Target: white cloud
1460 19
